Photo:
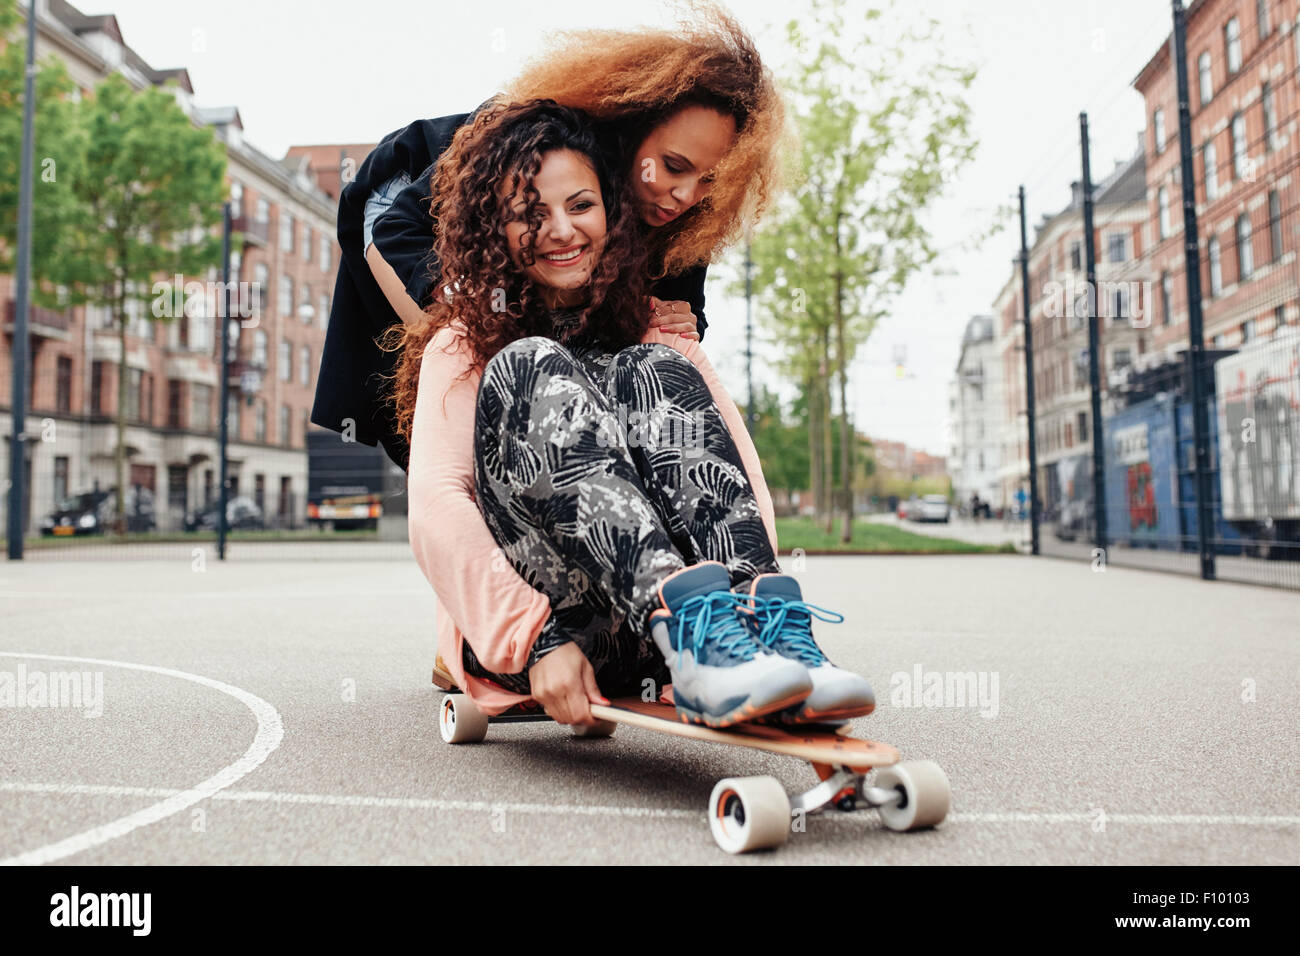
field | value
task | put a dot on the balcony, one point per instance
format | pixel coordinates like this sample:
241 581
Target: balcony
255 233
46 323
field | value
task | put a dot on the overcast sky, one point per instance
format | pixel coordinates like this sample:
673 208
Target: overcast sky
331 71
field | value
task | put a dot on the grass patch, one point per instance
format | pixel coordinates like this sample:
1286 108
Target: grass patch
869 536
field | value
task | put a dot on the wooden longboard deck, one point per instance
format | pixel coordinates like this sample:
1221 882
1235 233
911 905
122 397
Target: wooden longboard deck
815 745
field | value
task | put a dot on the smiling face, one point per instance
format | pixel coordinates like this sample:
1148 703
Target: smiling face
571 226
672 169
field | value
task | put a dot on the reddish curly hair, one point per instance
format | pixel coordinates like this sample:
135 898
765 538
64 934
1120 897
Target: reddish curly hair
481 291
630 81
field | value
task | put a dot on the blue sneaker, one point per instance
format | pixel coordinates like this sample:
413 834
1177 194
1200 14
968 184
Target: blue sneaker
721 675
782 621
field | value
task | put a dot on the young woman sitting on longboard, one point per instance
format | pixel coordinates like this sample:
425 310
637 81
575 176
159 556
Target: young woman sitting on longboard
584 497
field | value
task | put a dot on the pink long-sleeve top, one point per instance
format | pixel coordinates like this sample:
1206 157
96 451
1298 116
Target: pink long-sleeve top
481 598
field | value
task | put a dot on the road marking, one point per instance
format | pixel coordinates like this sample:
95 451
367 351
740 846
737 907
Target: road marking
481 806
350 800
270 731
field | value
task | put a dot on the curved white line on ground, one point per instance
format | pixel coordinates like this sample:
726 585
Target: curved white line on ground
270 731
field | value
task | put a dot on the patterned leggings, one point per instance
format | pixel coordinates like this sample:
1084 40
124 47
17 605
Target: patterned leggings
598 475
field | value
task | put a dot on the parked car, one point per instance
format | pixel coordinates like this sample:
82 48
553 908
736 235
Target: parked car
932 508
93 512
909 509
242 514
77 514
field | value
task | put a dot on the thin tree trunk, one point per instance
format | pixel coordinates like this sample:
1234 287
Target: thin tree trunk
119 457
828 466
813 391
846 446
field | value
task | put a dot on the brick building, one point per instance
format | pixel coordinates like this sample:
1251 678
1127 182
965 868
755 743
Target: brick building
285 248
1058 313
1243 63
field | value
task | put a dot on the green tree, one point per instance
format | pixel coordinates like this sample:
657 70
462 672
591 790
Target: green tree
56 144
883 125
151 185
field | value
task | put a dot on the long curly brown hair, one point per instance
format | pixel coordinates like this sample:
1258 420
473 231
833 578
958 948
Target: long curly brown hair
630 81
491 300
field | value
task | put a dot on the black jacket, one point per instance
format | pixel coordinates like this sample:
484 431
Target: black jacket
349 385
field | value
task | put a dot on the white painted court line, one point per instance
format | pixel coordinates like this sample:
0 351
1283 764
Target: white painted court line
480 806
270 731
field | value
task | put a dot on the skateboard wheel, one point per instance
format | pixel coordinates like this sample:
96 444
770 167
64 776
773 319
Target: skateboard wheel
601 728
749 813
925 794
460 722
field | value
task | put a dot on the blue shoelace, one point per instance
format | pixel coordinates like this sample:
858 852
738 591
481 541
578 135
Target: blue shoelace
792 622
726 632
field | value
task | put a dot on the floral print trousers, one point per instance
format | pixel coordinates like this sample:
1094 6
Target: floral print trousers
599 474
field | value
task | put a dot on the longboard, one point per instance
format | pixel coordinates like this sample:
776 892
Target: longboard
814 744
750 813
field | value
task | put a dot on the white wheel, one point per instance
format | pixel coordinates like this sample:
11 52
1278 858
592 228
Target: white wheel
601 728
749 813
925 791
460 722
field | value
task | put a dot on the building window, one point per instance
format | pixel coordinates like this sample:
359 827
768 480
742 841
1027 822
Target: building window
1245 255
201 407
236 199
1239 160
263 214
134 388
1232 43
286 361
285 437
304 304
324 316
1163 204
1247 331
261 287
259 427
60 478
175 398
1121 359
1116 247
306 242
286 231
232 416
304 365
285 302
63 385
258 356
1274 225
1279 316
1166 297
1203 73
1216 267
1158 127
1118 304
1076 257
1270 118
1261 17
324 253
1211 160
1083 426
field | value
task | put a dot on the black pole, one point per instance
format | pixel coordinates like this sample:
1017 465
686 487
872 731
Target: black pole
1029 378
1094 346
1195 332
224 433
750 417
21 342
